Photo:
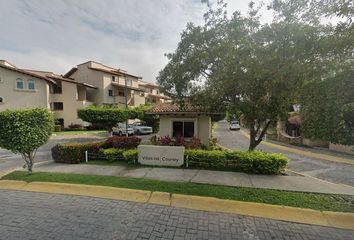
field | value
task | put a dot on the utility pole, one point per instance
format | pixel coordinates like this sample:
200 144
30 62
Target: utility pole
126 103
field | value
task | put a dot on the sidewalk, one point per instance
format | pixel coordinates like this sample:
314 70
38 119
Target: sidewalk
292 182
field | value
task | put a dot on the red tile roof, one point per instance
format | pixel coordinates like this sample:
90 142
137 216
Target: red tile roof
27 73
173 108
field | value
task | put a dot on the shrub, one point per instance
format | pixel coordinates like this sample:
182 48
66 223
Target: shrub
122 142
57 128
131 155
251 162
74 152
75 127
24 131
113 154
193 143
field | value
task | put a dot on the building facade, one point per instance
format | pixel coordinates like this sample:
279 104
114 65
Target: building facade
87 84
116 86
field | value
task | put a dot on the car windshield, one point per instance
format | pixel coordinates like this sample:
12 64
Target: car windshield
234 122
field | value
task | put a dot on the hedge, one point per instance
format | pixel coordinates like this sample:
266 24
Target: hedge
250 162
112 154
122 142
74 152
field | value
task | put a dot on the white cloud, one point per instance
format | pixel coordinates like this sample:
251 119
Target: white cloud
133 35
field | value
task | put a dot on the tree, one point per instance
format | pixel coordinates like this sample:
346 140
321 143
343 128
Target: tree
327 109
150 119
24 131
107 116
242 66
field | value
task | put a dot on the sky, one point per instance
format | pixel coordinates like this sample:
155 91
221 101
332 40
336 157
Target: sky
133 35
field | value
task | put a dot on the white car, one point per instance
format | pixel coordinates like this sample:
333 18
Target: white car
120 130
235 125
140 128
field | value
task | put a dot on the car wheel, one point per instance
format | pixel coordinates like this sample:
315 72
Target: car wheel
120 133
138 132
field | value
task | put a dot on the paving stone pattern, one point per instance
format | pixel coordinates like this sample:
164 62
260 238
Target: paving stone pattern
29 215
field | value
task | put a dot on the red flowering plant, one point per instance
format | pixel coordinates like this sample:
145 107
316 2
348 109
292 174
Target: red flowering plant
165 141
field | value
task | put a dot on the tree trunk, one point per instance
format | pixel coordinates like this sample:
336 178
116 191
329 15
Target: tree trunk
254 140
29 160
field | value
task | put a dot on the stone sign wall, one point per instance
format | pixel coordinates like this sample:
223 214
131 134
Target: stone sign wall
161 155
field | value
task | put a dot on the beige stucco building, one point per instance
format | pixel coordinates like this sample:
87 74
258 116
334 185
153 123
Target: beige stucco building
21 89
187 122
115 86
88 83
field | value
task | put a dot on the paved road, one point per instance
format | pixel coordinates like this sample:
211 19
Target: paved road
29 215
10 161
326 170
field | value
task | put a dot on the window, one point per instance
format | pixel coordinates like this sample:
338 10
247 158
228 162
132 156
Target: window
56 88
55 106
19 84
157 92
110 92
113 78
1 100
183 129
31 85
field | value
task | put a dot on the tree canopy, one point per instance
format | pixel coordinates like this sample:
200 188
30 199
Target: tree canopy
107 116
240 65
24 131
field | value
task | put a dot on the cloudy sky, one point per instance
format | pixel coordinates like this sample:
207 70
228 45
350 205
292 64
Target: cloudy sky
129 34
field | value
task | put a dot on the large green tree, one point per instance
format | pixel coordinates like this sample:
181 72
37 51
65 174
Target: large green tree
239 64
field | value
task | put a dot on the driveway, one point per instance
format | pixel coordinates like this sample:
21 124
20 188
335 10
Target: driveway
10 161
323 169
30 215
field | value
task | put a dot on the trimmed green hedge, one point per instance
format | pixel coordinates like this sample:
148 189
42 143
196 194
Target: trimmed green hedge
113 154
251 162
73 152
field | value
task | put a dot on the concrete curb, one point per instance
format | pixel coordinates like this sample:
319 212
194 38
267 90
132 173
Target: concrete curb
284 213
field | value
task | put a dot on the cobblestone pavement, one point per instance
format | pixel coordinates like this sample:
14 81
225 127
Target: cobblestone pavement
326 170
29 215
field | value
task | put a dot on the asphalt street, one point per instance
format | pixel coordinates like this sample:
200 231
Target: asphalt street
323 169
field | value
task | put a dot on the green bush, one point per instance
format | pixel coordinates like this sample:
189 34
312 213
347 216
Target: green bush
250 162
131 155
74 152
24 131
112 154
57 128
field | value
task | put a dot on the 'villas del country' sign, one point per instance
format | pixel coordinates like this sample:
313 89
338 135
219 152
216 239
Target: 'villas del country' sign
161 155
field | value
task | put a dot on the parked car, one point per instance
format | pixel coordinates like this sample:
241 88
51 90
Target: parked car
120 129
141 128
235 125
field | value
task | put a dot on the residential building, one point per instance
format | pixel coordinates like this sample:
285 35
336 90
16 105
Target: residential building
88 83
153 93
116 86
22 89
66 97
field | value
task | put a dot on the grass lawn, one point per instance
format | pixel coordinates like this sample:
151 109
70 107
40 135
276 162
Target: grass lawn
329 202
89 132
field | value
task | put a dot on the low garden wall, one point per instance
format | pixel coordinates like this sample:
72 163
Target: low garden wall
125 149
